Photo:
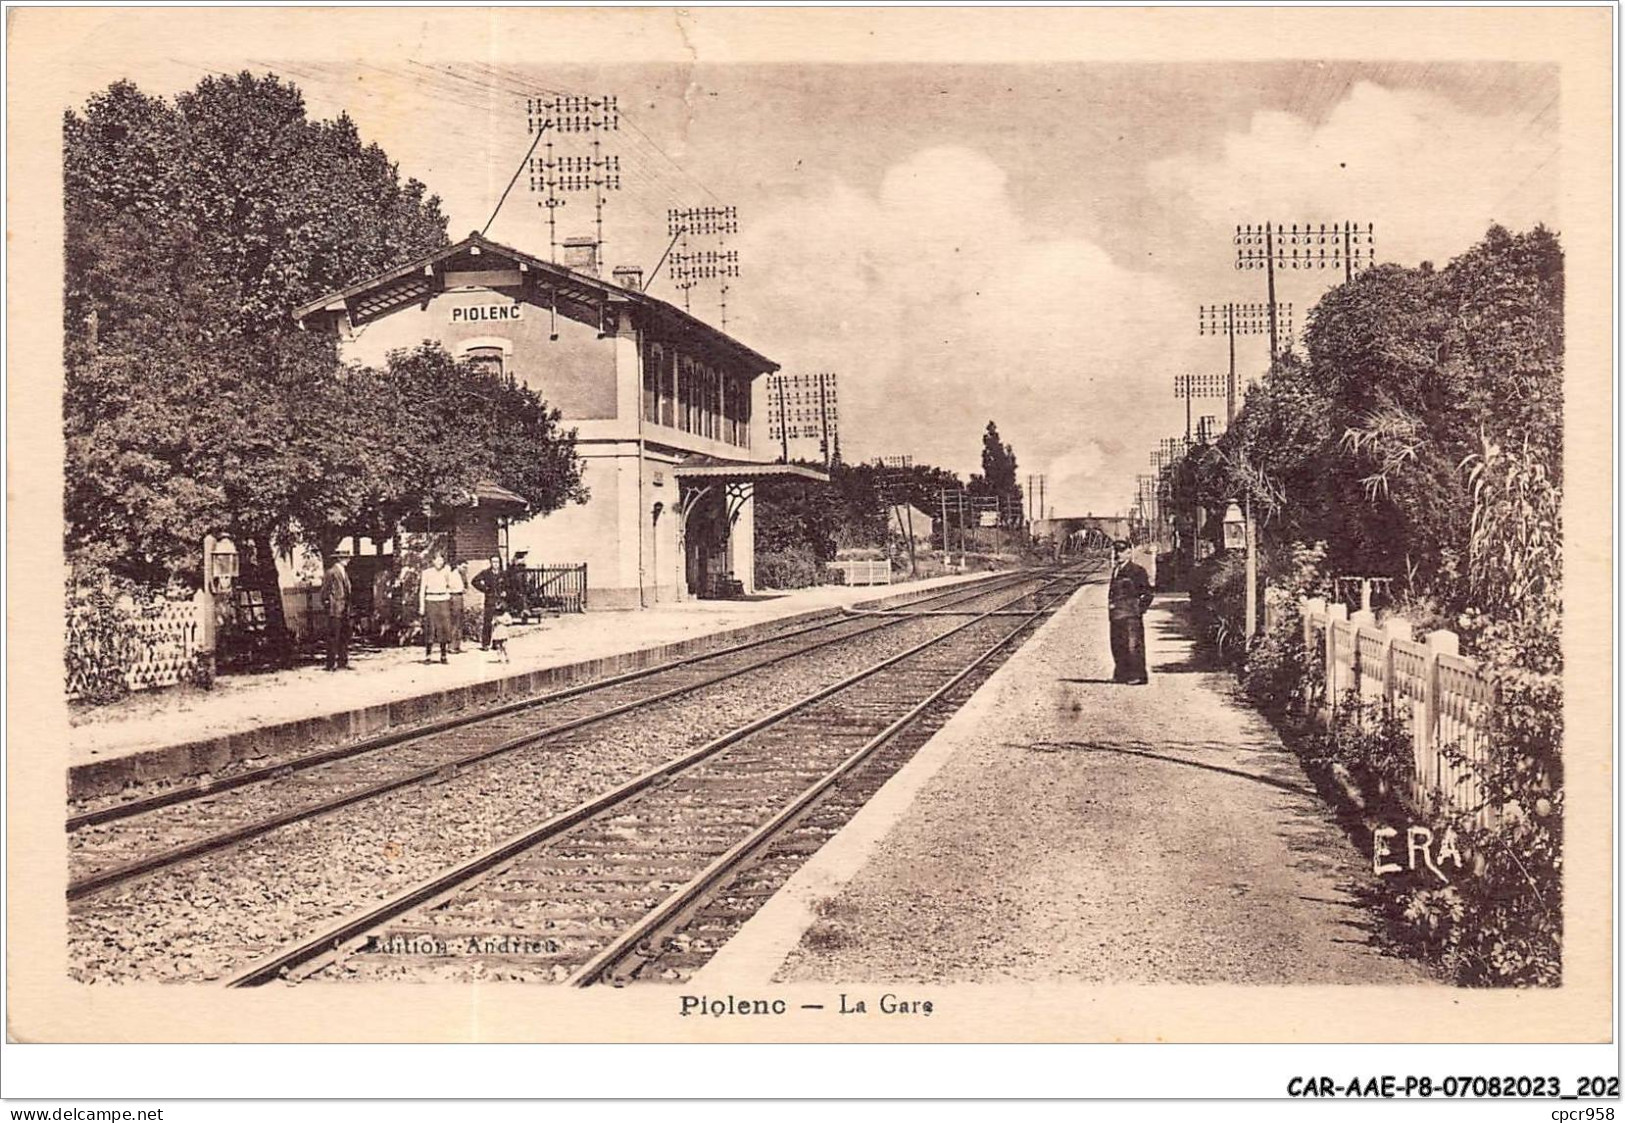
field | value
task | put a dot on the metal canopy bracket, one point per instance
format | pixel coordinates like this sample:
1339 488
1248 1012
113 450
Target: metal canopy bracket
689 500
738 493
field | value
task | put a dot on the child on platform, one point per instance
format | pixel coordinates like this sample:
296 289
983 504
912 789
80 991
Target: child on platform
501 624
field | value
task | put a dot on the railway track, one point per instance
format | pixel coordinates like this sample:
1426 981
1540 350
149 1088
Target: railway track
597 892
119 807
116 845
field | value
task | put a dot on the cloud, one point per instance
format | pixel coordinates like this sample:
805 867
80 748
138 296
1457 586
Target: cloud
1075 473
1429 175
941 305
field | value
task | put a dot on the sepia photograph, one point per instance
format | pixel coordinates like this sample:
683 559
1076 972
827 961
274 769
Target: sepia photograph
755 525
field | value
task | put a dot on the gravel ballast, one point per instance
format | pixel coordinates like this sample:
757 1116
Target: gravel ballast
208 916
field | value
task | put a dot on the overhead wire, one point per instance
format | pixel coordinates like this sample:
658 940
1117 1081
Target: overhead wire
520 86
654 194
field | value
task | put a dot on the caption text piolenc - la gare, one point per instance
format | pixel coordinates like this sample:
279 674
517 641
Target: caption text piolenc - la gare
700 1005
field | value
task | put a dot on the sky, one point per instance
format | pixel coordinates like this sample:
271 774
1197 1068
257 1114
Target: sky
1022 243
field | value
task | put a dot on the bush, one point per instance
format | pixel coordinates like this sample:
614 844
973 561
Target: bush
1218 601
1279 673
1371 739
1503 926
98 645
795 567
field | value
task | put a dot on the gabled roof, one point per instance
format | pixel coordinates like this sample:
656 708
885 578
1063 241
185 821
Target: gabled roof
415 280
492 495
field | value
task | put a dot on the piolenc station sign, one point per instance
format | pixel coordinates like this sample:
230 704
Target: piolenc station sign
500 311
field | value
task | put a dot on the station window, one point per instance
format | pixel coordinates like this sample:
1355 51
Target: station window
668 390
653 359
730 407
685 396
486 360
713 403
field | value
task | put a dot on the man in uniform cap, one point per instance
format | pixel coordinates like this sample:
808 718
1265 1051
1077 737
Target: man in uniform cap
1127 597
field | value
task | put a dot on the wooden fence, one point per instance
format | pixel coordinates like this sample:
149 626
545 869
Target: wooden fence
1439 695
544 589
859 572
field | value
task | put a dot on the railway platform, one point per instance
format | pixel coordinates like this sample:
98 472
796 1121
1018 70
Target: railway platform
1063 828
184 733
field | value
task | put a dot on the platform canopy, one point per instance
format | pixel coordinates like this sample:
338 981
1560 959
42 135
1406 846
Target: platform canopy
713 469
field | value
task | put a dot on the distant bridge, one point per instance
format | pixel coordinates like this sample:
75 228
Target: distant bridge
1093 529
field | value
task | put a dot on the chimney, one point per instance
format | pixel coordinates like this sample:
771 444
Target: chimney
629 277
581 254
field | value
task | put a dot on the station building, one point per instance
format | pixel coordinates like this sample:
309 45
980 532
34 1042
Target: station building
663 406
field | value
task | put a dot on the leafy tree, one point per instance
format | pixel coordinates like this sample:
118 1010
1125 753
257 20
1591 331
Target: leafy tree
998 476
923 484
1360 443
455 425
853 510
793 515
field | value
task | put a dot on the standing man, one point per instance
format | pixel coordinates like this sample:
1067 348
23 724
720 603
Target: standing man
434 602
491 585
1127 598
336 594
457 581
518 596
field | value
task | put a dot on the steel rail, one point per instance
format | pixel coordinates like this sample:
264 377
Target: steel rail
188 793
457 877
672 910
886 613
115 875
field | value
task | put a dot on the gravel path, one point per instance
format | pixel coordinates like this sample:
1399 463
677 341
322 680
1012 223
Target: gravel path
1090 832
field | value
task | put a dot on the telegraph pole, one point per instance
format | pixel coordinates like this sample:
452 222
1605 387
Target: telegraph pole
823 421
1269 255
823 415
1309 247
893 481
913 565
1250 601
691 267
784 426
1190 386
1238 319
1230 382
556 175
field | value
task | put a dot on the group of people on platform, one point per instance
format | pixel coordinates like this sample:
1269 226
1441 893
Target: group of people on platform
441 591
440 600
